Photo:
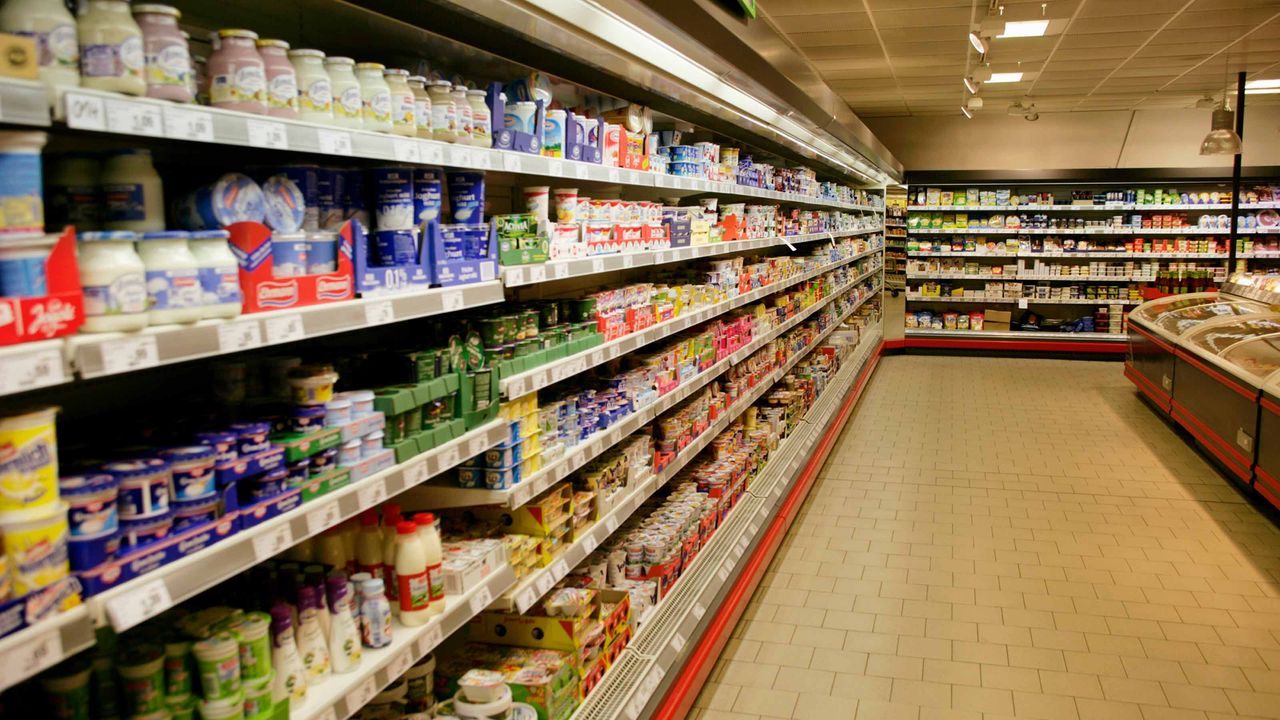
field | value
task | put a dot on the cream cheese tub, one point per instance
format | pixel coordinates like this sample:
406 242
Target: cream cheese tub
37 550
28 465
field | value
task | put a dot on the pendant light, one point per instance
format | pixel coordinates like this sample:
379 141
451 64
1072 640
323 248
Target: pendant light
1222 139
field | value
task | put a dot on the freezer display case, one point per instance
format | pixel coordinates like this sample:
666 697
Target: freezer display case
1221 367
1155 328
1266 469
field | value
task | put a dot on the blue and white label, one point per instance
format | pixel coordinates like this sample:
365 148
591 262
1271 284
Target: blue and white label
125 201
125 295
220 285
172 289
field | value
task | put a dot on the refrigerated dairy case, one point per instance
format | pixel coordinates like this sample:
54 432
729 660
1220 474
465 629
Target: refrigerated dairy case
1205 360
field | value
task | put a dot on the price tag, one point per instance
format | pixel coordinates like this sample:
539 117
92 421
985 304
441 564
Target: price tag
431 153
85 112
184 124
31 657
611 522
1022 303
526 599
537 273
596 358
511 162
628 260
723 573
416 474
35 369
134 118
590 542
452 301
520 494
449 456
477 445
138 605
362 695
597 265
323 517
633 177
460 156
372 494
268 134
581 171
483 159
614 175
334 142
481 600
555 167
559 569
433 637
327 713
399 665
128 354
677 642
236 336
379 313
560 271
539 380
272 543
544 583
698 610
406 151
283 329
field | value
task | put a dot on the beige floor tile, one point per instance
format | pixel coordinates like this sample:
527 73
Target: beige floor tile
985 700
716 696
1107 710
765 702
1046 707
1010 678
812 706
785 655
875 710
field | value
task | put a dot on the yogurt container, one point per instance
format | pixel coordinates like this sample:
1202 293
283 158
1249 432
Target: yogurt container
322 253
192 469
270 484
428 198
323 461
519 116
304 178
29 465
393 198
91 502
218 666
21 184
337 412
140 532
396 247
229 708
223 444
190 513
86 552
371 444
141 670
307 418
284 204
329 206
553 133
22 271
361 402
232 198
297 473
350 453
312 384
144 486
255 647
466 197
288 255
37 550
66 688
251 437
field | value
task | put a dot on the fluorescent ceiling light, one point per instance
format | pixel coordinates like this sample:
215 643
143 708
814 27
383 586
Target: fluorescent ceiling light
1262 91
1262 84
966 112
1024 28
1010 77
970 86
978 43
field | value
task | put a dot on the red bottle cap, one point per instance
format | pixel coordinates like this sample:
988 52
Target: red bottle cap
406 528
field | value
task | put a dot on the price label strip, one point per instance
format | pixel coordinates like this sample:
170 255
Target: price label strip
272 543
31 657
379 313
323 517
267 134
481 600
138 605
134 118
432 638
373 494
286 328
361 696
129 354
85 112
334 142
30 370
236 336
183 124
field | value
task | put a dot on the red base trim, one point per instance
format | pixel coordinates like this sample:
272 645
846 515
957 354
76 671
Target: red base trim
1048 346
1269 406
1148 388
1160 342
1221 449
895 344
1266 484
680 697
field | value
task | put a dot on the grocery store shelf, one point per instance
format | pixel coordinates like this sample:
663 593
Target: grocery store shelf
1017 335
554 372
439 495
28 366
517 275
631 687
200 571
1023 302
1016 341
143 117
340 696
1050 278
24 102
1085 208
27 652
1072 231
536 584
1081 255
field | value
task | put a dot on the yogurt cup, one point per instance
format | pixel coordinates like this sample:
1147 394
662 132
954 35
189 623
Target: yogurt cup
371 444
86 552
307 418
519 116
288 255
337 412
566 200
37 550
304 178
322 253
466 196
192 471
228 708
91 501
29 466
223 444
393 198
537 201
361 402
178 666
255 646
297 473
257 697
190 513
232 198
144 486
323 461
350 453
270 484
251 437
428 194
140 532
141 670
22 271
218 666
312 384
396 247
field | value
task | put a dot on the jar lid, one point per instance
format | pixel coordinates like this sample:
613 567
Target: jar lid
439 83
167 235
237 33
210 234
272 42
370 66
476 93
396 71
306 52
339 60
100 235
154 9
417 79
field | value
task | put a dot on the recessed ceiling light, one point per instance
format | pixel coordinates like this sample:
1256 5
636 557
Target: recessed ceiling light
1024 28
971 86
977 42
1011 77
1261 84
966 112
1262 91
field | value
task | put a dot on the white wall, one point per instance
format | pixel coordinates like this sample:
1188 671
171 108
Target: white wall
1124 139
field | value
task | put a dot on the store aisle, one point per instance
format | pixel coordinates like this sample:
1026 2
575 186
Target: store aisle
1007 537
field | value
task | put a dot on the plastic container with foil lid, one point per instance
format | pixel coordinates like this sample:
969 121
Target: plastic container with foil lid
36 550
251 437
237 72
230 199
91 503
173 278
285 204
223 444
219 273
289 255
190 513
322 252
29 466
140 532
312 384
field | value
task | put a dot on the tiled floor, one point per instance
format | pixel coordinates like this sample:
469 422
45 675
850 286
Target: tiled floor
1011 538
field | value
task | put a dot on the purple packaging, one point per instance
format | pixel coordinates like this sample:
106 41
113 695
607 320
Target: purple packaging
192 468
396 247
143 487
466 197
251 437
270 484
223 444
189 513
465 241
139 532
288 254
428 194
304 177
296 472
323 461
307 418
393 198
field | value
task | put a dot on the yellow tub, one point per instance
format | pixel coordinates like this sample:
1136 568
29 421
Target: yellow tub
28 465
37 550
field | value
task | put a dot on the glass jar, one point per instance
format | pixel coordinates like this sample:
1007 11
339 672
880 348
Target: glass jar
402 104
375 97
237 74
132 195
465 119
347 105
111 56
315 93
113 281
481 125
53 28
421 106
173 279
444 113
219 274
165 53
282 79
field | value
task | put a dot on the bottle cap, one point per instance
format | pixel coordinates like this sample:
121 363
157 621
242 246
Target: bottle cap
368 517
424 519
406 528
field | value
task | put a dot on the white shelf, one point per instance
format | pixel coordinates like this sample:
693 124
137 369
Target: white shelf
1085 208
27 652
912 297
143 117
1051 278
1143 232
1082 255
1016 335
554 372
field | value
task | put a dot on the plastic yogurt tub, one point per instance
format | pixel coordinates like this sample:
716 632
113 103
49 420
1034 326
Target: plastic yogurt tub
92 502
141 669
29 466
143 487
230 199
255 647
193 476
322 252
371 444
37 550
189 513
251 437
223 444
361 402
139 532
284 204
337 412
396 247
307 418
270 484
218 666
289 255
89 551
312 384
349 453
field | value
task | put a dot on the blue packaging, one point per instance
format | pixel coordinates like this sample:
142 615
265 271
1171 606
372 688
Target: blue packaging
289 255
328 200
322 252
192 468
251 437
91 501
428 194
89 551
223 444
304 177
355 201
21 182
189 513
686 169
232 198
296 472
465 242
144 487
22 272
393 198
141 532
270 484
396 247
466 197
285 204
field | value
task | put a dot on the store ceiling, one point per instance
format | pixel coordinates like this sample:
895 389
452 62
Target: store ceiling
909 57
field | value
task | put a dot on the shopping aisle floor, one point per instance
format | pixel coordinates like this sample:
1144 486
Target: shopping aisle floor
1011 538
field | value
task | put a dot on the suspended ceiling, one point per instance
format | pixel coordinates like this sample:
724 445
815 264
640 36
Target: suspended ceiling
909 57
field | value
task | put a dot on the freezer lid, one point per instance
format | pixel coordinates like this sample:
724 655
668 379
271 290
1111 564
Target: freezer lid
1152 309
1176 323
1217 335
1257 359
